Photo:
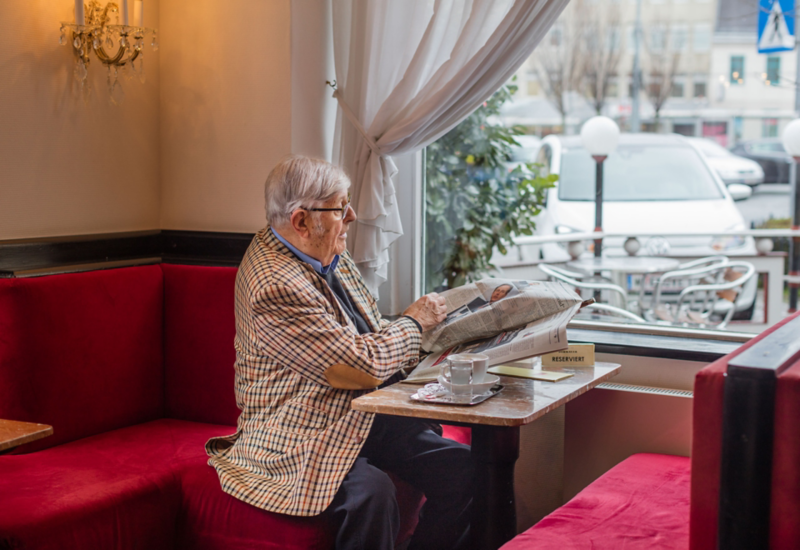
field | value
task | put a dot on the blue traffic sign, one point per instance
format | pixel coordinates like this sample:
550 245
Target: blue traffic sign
775 26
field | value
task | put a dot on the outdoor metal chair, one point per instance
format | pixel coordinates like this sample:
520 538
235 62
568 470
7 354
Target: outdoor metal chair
710 291
578 280
606 310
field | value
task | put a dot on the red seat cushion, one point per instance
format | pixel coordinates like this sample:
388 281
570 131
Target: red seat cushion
199 328
113 490
82 351
641 503
214 520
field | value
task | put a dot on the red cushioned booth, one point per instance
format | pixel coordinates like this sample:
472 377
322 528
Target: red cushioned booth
133 368
652 501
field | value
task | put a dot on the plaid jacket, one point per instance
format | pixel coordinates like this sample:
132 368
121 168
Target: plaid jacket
299 363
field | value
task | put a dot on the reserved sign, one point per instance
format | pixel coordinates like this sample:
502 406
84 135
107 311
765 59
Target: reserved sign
576 355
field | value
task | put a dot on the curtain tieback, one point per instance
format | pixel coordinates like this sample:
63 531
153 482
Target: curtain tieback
354 121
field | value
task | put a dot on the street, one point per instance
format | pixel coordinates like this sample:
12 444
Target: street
768 200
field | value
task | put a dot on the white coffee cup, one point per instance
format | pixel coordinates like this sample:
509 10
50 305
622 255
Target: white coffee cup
457 370
480 364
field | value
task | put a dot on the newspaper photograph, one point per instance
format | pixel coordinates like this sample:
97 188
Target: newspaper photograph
535 338
490 306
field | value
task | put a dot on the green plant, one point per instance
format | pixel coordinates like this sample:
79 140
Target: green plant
474 205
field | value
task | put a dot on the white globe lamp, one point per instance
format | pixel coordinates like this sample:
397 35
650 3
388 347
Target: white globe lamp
791 138
600 136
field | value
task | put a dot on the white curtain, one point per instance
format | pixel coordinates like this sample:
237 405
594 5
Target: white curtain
408 71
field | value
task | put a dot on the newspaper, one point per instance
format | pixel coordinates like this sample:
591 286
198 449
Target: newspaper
538 337
490 306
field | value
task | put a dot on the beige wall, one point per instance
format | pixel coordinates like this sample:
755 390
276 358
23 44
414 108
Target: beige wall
69 167
225 109
189 151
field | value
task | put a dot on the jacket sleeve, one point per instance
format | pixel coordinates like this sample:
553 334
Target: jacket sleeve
299 331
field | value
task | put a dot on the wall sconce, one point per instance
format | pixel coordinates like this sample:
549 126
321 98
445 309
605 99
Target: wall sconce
93 32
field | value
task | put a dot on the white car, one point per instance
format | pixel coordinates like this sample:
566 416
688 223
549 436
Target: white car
652 183
731 168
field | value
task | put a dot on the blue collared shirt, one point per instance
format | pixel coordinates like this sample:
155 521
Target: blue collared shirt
316 264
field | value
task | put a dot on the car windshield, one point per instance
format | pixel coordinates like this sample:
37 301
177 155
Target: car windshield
767 147
638 173
711 149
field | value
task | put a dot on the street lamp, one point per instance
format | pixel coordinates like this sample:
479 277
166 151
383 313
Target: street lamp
600 136
791 142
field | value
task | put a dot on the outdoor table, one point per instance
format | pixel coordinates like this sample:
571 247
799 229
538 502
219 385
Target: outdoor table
14 433
622 266
495 427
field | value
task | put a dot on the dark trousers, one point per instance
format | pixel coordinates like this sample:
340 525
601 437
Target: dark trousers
365 507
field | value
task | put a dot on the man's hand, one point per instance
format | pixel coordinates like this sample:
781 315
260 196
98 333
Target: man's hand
428 311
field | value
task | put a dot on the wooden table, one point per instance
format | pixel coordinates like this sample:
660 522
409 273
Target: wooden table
495 427
14 433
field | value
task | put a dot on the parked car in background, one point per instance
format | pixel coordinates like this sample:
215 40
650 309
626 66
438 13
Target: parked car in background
770 154
525 152
652 183
731 168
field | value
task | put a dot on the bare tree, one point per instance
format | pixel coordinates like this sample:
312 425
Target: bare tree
559 62
602 53
663 56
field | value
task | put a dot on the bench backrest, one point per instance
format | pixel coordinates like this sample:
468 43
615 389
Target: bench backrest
783 491
199 328
82 352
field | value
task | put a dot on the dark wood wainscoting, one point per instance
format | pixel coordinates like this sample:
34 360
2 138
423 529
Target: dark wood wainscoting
31 257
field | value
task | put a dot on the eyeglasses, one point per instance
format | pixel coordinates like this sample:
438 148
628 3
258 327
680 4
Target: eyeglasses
343 209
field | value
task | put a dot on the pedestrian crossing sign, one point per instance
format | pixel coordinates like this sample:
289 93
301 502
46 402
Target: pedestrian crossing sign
775 26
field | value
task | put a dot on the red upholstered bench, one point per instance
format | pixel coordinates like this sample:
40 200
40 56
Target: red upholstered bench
134 370
652 501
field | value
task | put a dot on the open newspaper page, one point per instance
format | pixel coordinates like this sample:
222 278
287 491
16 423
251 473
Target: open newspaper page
490 306
541 336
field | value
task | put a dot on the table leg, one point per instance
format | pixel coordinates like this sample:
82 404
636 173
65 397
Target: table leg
495 450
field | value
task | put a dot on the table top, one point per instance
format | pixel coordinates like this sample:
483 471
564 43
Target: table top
522 400
628 264
14 433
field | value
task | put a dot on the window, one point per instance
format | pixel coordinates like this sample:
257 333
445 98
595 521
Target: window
679 38
614 39
737 69
718 131
769 127
613 87
658 37
773 70
699 90
701 38
630 37
555 36
677 88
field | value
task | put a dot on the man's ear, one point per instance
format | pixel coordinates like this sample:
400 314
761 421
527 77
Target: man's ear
301 223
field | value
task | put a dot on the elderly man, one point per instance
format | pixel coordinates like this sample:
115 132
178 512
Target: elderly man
309 340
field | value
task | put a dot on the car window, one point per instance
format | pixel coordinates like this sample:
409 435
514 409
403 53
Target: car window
711 149
543 158
771 147
776 147
638 173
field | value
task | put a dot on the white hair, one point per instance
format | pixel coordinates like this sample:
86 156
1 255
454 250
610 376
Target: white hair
300 182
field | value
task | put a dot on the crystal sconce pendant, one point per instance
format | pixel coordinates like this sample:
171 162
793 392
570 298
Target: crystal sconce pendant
119 46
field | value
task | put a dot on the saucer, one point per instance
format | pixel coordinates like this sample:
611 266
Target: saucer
477 389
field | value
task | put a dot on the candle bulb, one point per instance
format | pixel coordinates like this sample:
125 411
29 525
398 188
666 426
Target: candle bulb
124 12
138 13
80 18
